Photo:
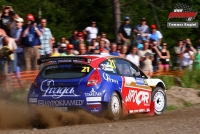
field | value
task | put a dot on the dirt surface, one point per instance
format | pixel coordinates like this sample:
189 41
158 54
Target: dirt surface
14 118
182 121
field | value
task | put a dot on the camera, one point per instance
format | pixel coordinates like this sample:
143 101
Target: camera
32 22
187 46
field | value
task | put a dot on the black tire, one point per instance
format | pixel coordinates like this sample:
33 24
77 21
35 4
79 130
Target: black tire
115 107
160 101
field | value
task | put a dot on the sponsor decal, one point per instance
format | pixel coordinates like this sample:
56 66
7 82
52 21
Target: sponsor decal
60 66
129 82
94 111
55 92
133 111
139 81
145 82
93 93
141 110
34 95
93 98
108 79
33 100
107 67
138 97
60 102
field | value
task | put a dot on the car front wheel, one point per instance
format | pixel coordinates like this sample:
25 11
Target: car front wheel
159 99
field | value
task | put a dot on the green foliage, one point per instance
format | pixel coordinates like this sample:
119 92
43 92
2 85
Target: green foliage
171 107
64 16
191 79
168 80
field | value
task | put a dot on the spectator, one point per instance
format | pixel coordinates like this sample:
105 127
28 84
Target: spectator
125 32
55 51
82 50
146 58
45 39
114 49
187 58
6 18
12 26
79 40
9 61
2 34
70 50
153 47
31 42
139 30
103 36
102 46
63 49
164 55
91 32
123 51
73 37
93 45
188 41
197 59
133 57
178 51
154 35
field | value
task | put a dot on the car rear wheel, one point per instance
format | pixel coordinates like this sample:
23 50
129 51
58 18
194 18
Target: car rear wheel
159 99
115 107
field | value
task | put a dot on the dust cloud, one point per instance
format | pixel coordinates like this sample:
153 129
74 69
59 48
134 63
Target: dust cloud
17 115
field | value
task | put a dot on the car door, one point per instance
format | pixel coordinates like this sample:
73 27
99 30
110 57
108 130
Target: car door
136 94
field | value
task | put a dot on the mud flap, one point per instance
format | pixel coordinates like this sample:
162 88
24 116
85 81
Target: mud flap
152 106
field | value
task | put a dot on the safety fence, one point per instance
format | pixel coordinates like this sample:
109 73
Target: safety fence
17 81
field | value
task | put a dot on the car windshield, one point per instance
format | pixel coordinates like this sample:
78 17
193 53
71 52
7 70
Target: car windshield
67 71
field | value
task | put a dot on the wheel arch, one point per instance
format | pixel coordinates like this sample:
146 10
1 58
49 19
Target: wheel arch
162 85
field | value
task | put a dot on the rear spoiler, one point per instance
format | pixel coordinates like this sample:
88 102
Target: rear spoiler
62 59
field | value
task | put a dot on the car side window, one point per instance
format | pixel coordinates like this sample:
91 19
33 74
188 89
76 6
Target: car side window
126 68
108 66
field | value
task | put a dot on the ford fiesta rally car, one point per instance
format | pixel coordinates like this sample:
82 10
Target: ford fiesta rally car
102 85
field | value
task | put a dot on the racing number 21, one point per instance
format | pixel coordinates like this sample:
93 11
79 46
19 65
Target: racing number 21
85 69
112 63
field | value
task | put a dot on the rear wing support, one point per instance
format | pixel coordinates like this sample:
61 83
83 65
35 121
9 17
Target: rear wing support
63 59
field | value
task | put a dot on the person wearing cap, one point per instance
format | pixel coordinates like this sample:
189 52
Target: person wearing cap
155 34
125 32
45 39
140 29
30 40
67 50
63 48
91 32
70 50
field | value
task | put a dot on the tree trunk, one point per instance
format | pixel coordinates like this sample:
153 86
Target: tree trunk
117 18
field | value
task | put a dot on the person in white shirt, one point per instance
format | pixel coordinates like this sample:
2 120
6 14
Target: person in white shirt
91 32
133 57
187 58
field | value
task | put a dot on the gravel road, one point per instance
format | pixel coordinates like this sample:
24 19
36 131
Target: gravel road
182 121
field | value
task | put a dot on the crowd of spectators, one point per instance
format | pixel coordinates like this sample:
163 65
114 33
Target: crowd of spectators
23 42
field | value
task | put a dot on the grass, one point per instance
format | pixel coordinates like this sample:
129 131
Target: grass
168 80
171 107
189 79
